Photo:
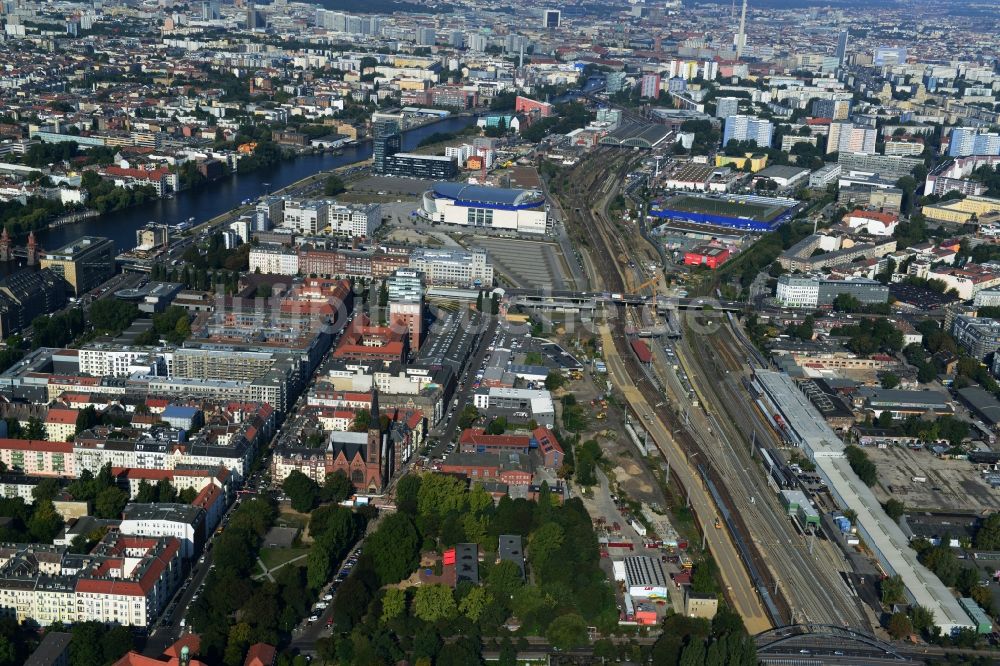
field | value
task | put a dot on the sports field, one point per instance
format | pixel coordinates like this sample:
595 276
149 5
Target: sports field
706 205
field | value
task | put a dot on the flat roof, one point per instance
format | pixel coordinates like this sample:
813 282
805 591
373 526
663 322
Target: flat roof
644 571
881 534
891 546
982 402
815 435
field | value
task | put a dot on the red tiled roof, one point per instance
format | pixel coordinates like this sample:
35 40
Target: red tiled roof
36 445
260 654
546 440
62 416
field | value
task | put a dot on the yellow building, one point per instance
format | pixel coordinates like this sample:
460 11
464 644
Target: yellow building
84 264
961 211
757 161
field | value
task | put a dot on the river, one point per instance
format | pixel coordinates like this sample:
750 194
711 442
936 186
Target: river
218 197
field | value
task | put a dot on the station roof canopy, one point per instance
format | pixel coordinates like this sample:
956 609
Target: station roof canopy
636 135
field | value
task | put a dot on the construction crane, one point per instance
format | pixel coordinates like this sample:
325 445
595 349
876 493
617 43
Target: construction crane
647 283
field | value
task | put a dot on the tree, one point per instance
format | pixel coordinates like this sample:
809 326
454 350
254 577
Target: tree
554 381
467 417
35 429
337 487
333 186
988 536
394 548
86 419
440 494
567 632
900 626
301 490
45 523
319 566
116 642
110 502
922 618
894 509
434 602
893 590
407 491
46 489
474 603
393 603
505 579
890 380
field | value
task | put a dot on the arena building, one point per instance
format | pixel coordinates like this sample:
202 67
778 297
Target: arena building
523 211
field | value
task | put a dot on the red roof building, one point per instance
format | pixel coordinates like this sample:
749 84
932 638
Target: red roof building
712 256
363 342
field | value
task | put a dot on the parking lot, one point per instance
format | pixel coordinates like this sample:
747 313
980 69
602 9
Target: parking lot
951 485
526 263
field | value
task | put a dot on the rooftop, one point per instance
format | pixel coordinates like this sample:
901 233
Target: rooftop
488 195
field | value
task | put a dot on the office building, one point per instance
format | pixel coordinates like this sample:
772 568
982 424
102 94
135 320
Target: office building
835 109
406 303
803 291
84 264
966 141
384 147
727 106
453 268
551 19
428 167
27 294
386 143
650 85
849 138
842 41
477 42
748 128
255 19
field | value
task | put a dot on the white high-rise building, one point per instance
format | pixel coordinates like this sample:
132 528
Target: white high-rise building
967 141
748 128
851 138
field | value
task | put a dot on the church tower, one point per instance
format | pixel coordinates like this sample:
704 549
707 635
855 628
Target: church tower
5 246
32 250
374 459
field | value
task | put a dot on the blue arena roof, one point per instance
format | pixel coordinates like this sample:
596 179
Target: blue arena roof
498 197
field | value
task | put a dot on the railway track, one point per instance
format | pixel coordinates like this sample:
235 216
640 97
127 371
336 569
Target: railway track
809 574
603 242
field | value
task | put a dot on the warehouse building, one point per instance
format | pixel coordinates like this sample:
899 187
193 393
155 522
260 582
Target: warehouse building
523 211
805 426
645 577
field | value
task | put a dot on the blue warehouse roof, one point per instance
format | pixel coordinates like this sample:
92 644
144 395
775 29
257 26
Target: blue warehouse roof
489 196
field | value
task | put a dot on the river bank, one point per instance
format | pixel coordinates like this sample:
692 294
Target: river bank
222 196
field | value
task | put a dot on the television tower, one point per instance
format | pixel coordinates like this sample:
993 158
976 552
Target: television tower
741 36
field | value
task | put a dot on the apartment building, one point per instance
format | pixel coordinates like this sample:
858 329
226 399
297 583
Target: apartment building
274 260
183 522
124 580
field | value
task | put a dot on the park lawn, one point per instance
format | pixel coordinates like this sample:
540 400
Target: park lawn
273 557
